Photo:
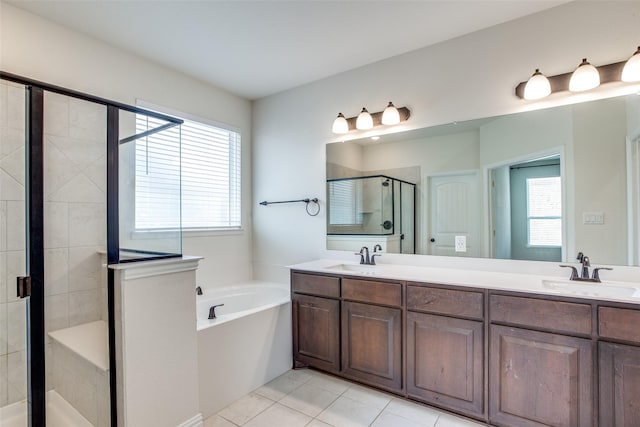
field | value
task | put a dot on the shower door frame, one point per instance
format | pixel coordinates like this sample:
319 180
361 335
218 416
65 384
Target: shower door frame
34 249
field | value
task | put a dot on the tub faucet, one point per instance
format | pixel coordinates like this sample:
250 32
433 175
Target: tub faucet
198 290
212 311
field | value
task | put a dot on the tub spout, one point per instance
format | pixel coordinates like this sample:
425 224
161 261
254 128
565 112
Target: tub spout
212 311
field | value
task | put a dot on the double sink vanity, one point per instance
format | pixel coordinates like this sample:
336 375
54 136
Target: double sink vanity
506 349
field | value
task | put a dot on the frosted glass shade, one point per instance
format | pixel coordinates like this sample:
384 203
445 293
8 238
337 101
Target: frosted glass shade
537 87
631 70
585 77
390 115
364 120
340 125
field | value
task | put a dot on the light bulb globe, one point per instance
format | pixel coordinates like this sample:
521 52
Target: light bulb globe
364 120
537 86
585 77
390 115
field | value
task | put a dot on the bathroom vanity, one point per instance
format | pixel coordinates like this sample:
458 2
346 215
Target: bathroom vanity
511 353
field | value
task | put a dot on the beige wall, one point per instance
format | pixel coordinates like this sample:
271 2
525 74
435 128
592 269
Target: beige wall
469 77
39 49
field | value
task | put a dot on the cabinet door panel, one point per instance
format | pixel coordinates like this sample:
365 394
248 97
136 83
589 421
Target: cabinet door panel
619 385
316 332
445 362
540 379
371 341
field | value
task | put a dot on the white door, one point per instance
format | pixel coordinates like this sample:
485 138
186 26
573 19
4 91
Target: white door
454 214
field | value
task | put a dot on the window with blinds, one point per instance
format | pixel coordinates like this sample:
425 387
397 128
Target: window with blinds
207 161
345 202
544 211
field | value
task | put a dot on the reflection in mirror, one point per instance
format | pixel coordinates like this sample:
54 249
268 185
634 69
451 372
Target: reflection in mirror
364 210
539 185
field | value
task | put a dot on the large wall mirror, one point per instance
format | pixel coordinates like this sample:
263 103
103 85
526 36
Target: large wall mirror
539 185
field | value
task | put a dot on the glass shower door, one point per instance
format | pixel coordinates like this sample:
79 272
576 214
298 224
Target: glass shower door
13 310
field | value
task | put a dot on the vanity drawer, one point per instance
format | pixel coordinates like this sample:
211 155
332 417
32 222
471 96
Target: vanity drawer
372 292
450 302
619 323
315 285
558 316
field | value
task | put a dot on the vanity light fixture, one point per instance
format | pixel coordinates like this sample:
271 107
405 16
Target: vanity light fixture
390 115
537 86
585 77
365 120
631 70
340 124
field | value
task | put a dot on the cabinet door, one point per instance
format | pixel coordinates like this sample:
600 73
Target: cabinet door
371 344
445 362
619 385
316 332
540 379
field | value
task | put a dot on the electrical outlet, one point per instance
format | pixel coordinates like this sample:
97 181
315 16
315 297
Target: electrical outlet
461 243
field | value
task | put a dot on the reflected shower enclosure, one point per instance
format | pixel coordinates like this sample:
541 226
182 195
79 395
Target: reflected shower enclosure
372 206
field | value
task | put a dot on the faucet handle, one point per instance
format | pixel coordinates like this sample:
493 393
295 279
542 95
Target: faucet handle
574 272
373 257
596 272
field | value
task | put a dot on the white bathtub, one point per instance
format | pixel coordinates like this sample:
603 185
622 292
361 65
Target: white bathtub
246 346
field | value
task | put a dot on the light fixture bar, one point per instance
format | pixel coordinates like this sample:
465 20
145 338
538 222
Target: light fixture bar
608 74
377 118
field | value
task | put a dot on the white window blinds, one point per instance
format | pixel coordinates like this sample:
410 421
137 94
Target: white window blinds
207 159
345 202
544 211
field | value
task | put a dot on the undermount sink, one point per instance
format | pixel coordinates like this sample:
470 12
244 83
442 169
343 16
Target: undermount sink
356 268
591 289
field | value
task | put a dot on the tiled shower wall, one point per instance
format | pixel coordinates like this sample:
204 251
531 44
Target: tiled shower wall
12 244
74 212
74 223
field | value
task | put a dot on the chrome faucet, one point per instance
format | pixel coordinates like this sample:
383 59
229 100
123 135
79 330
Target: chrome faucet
584 274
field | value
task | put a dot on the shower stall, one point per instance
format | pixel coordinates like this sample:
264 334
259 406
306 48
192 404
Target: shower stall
375 209
76 187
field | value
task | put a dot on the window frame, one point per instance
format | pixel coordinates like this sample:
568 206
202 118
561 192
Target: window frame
196 231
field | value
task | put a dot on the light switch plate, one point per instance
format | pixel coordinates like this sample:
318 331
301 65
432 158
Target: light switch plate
593 218
461 243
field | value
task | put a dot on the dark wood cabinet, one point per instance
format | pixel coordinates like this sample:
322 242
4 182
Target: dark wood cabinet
372 344
512 359
445 362
619 385
316 332
540 379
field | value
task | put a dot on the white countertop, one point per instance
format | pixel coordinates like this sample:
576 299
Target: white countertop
628 292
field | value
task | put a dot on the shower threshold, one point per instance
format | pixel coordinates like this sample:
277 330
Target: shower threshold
59 413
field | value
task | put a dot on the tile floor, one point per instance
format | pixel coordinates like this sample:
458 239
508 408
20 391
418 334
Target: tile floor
309 398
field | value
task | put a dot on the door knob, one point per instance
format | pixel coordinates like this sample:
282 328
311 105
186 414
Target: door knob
433 240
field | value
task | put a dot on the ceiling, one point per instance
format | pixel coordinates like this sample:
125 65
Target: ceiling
258 48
